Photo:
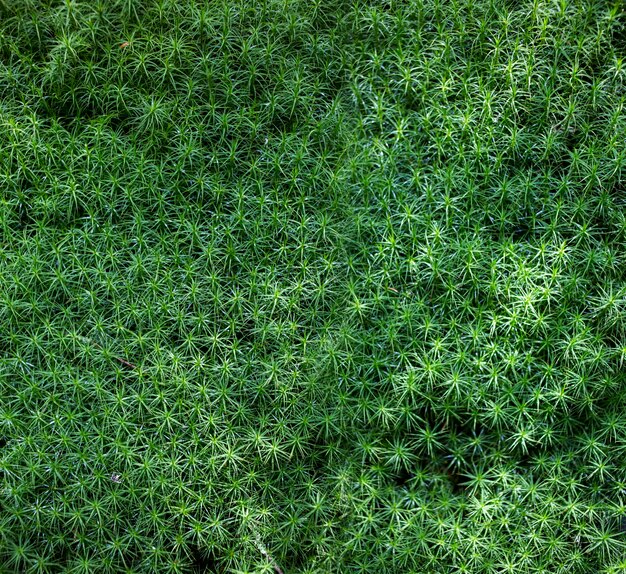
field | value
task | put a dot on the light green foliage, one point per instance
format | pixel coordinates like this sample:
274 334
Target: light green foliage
312 285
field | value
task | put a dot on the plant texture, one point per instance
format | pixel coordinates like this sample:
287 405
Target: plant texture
313 286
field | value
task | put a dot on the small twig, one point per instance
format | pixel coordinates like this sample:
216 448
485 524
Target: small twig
126 363
123 361
266 554
394 290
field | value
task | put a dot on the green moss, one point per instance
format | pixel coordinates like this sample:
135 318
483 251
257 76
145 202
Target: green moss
312 286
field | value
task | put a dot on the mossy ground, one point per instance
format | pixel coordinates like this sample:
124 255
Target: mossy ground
312 285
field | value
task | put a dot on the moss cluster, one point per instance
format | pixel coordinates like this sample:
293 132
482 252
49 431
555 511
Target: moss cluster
312 286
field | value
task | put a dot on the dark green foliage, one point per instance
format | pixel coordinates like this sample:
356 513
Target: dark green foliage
312 286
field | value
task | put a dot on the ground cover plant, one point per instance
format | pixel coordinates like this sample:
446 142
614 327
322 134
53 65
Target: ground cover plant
312 286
